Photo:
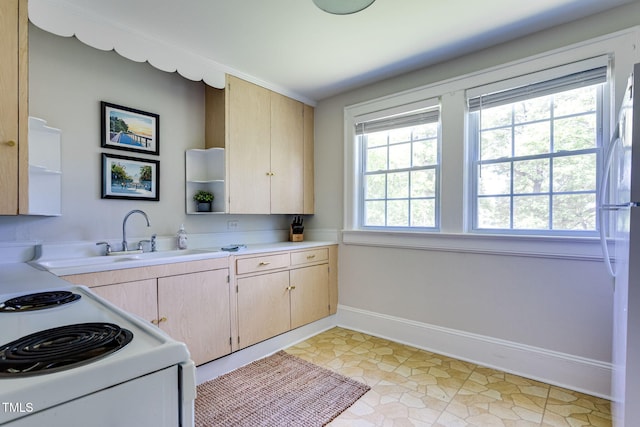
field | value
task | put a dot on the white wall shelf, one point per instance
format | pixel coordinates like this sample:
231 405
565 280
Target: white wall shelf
204 170
45 169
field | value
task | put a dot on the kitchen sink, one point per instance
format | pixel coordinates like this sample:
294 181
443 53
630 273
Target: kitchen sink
88 264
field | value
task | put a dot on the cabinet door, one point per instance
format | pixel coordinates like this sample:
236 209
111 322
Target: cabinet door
309 186
139 297
309 294
10 94
248 149
263 307
194 309
287 155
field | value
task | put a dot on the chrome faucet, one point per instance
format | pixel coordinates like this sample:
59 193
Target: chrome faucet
124 230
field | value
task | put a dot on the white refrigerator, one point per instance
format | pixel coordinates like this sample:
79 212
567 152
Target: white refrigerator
620 214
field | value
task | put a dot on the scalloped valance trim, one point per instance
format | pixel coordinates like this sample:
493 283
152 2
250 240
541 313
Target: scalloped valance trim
63 19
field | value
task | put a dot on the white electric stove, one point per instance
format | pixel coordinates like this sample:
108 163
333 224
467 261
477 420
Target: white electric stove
83 361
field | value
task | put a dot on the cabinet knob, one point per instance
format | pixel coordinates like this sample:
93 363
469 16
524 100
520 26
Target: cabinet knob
290 288
263 263
162 319
270 174
155 321
311 256
11 143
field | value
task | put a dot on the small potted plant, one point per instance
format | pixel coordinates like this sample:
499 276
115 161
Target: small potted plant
203 200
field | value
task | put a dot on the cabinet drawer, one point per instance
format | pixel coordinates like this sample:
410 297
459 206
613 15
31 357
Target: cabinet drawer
313 255
262 263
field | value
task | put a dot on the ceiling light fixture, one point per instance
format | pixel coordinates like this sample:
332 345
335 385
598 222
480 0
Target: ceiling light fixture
343 7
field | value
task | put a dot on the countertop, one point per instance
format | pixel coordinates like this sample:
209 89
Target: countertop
92 264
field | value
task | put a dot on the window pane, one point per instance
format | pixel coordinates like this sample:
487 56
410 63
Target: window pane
574 212
399 135
496 116
400 156
532 139
423 213
398 185
398 213
575 101
495 144
423 183
376 159
429 130
494 178
425 153
531 212
494 212
377 139
532 110
574 173
375 186
531 176
374 213
574 133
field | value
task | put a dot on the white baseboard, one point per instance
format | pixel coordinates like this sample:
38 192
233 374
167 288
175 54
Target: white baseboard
564 370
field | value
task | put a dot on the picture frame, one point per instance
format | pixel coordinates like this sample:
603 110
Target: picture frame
128 129
130 178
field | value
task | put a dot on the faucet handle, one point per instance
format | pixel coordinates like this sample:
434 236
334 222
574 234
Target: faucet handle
141 244
107 247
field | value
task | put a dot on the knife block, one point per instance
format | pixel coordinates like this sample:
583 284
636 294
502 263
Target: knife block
295 237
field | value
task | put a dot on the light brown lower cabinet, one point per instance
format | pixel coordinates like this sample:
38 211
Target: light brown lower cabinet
222 305
309 294
139 297
189 301
263 307
280 291
194 308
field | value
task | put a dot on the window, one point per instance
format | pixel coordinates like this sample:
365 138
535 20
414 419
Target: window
536 153
400 171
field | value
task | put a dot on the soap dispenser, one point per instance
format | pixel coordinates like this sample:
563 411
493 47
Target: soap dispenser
181 238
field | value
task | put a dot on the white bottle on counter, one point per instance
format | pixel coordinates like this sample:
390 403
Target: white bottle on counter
181 238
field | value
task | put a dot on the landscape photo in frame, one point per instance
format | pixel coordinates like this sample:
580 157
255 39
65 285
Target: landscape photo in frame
130 178
128 129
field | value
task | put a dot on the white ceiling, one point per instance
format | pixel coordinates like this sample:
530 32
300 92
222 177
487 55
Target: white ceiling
293 46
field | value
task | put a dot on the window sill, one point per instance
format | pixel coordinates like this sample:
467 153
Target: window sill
570 248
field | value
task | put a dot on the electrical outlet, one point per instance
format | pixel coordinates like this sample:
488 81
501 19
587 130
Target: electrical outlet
232 225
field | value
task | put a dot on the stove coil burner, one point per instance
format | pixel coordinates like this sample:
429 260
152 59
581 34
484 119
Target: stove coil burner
61 348
39 301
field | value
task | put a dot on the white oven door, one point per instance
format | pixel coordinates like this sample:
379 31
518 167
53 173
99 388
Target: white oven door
151 400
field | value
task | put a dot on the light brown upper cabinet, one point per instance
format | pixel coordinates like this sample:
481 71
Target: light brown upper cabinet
14 110
268 142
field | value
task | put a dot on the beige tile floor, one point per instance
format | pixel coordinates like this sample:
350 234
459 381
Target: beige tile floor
413 387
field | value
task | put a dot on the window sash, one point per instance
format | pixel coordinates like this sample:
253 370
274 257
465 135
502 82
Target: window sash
477 163
398 121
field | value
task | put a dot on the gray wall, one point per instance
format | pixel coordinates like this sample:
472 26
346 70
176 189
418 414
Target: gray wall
559 305
67 81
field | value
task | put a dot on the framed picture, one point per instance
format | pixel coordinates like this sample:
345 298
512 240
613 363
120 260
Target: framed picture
130 178
128 129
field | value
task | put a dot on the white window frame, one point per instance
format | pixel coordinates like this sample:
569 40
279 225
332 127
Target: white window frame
455 229
547 75
428 104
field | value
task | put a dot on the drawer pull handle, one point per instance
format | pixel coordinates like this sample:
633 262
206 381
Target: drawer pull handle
155 321
290 288
311 256
263 263
163 319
